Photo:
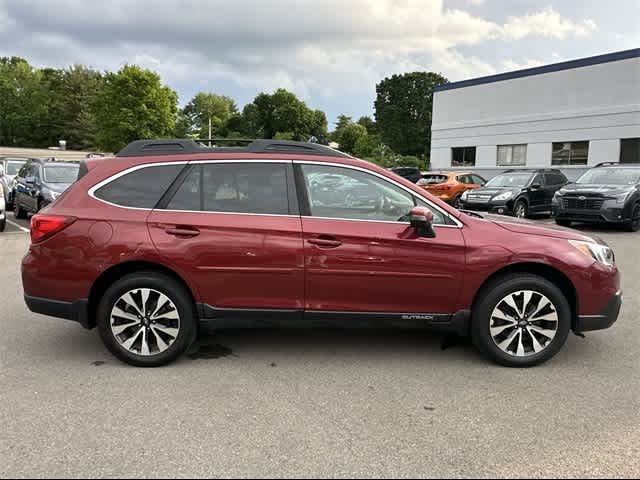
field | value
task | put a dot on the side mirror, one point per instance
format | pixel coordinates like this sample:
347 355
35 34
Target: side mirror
1 170
30 180
422 221
536 186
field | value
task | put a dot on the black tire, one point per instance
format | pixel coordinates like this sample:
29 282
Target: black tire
493 294
634 224
166 285
456 202
3 224
563 223
18 212
521 209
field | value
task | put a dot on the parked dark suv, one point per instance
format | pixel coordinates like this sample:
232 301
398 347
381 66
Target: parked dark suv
170 234
39 183
608 193
520 193
413 174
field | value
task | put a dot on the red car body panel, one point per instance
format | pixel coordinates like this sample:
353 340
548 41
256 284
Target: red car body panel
390 269
268 262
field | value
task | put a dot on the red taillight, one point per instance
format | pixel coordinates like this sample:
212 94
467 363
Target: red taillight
45 226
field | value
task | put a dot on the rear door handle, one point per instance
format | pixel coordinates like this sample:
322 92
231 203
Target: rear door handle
325 242
183 232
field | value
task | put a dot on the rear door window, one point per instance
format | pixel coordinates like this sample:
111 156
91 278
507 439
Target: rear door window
258 188
140 188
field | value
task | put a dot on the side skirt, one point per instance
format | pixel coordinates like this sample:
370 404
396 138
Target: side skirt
230 318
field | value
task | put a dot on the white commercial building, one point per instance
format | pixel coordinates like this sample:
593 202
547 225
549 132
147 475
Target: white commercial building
570 115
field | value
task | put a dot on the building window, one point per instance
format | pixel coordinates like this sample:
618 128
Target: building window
463 157
570 153
630 150
512 155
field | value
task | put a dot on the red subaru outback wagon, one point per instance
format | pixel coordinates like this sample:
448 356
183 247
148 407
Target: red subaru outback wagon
167 235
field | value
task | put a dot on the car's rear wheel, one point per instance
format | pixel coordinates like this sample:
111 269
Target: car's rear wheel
19 212
521 320
3 224
521 209
563 223
147 319
634 224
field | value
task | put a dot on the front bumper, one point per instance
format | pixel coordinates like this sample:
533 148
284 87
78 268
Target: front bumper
607 317
499 207
610 212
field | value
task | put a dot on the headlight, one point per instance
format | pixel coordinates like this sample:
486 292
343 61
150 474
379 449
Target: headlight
1 192
465 194
504 196
600 253
622 198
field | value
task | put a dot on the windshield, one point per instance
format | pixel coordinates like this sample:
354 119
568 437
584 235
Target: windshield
509 180
61 174
14 167
611 176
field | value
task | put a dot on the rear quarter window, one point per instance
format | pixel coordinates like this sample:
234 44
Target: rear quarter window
140 188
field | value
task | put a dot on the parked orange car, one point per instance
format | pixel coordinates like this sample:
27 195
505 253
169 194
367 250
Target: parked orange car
449 186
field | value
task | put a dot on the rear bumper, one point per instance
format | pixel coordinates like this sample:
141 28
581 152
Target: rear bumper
75 311
606 318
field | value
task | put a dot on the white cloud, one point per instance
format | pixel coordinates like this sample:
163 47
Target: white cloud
547 23
309 46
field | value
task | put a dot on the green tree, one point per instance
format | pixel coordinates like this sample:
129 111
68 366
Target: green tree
403 110
352 135
133 104
282 111
21 102
205 107
343 122
368 123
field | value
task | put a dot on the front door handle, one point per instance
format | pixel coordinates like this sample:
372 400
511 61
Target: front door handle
183 232
325 242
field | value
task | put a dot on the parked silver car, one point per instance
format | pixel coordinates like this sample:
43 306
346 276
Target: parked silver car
11 167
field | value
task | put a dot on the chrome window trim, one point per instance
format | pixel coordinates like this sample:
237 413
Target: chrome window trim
91 192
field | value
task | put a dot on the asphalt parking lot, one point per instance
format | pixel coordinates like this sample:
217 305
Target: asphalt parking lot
315 404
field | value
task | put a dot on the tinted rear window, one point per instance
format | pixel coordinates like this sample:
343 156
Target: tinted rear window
141 188
429 179
234 188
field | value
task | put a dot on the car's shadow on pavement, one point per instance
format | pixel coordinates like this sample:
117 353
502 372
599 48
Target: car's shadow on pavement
293 346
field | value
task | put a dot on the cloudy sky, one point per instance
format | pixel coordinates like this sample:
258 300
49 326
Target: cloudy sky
330 52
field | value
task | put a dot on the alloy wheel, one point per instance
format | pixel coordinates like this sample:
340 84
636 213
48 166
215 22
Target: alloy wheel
524 323
521 210
145 322
635 219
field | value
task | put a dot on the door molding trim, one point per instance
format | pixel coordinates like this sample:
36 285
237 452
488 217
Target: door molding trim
228 318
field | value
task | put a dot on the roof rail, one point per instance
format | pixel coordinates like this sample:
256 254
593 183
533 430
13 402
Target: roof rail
529 169
606 164
141 148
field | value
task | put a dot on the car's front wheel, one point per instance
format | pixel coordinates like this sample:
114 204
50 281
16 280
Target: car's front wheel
521 320
563 223
147 319
521 209
634 223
